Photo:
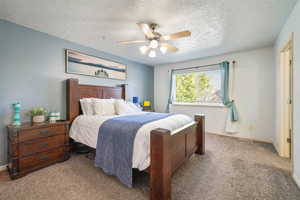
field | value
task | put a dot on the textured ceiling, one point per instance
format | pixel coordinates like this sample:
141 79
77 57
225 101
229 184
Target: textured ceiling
217 26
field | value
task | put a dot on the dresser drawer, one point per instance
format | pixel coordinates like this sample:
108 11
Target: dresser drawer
41 132
41 144
41 159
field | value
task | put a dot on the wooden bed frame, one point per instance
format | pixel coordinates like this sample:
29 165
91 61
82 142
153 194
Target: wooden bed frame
168 152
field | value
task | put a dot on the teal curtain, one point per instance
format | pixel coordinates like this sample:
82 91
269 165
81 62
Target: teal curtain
170 99
225 91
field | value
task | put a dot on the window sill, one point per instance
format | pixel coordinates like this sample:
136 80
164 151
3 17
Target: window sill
220 105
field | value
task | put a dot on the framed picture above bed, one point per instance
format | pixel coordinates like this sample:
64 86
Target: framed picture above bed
83 64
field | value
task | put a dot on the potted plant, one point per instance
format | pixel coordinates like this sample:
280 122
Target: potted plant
38 115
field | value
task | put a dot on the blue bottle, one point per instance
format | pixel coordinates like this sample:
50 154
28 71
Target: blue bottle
17 116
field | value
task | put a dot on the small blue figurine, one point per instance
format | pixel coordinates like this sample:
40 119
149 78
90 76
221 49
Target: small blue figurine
17 116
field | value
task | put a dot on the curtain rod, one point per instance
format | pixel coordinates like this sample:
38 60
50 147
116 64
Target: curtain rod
179 69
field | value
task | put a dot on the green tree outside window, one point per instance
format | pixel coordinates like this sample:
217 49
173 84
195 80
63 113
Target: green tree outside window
196 88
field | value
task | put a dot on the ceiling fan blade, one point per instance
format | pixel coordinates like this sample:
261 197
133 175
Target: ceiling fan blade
132 41
146 30
176 35
169 47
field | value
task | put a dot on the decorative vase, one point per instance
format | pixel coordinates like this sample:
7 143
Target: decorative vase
17 116
38 119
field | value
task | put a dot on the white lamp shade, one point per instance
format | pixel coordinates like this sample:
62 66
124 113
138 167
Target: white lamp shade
163 49
154 44
152 54
143 49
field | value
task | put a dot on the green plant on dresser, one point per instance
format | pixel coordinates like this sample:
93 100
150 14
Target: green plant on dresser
38 115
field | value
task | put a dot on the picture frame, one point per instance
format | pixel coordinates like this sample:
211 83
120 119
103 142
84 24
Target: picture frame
88 65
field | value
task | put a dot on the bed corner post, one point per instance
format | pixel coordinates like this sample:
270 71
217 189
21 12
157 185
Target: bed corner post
200 120
124 91
160 168
72 99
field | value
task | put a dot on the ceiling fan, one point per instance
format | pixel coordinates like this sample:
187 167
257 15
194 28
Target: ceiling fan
155 40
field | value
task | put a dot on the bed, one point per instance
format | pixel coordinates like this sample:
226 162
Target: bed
169 143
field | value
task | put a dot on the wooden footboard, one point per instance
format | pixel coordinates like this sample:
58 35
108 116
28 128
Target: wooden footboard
168 153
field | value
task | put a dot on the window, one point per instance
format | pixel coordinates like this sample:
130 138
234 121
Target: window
198 87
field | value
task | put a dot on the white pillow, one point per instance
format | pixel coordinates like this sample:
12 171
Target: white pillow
135 107
87 106
123 107
104 107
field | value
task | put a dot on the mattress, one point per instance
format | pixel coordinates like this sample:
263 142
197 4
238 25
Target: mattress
85 130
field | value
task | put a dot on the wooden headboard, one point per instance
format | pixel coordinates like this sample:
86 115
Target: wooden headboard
75 92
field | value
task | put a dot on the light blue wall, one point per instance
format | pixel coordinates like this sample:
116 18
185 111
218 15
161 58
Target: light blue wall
32 71
293 26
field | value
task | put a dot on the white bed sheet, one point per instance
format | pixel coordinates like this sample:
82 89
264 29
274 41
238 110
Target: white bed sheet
85 130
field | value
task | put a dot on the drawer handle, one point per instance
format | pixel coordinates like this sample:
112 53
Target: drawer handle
45 144
44 158
44 132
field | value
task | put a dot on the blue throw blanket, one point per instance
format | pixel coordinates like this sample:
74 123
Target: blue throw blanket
115 144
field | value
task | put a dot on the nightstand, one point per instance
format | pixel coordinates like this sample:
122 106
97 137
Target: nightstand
34 146
148 110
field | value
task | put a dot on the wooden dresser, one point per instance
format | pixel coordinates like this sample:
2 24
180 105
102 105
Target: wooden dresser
34 146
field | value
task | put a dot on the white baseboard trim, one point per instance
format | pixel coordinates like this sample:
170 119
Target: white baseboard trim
3 167
296 179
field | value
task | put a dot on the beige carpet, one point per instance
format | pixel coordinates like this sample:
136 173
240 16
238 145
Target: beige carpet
231 170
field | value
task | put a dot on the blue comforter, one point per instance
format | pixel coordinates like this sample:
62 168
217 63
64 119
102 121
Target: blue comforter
115 144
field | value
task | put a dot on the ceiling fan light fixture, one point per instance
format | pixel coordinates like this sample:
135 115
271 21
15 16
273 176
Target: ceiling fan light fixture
143 49
154 44
152 54
163 49
154 40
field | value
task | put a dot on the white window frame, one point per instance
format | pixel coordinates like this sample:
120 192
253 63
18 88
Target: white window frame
206 104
